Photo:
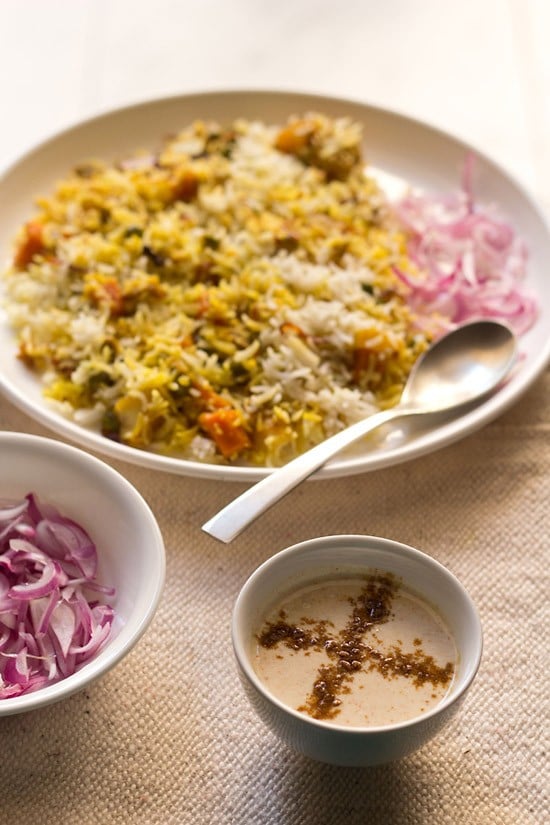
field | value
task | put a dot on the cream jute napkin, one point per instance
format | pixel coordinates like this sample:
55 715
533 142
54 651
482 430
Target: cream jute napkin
168 737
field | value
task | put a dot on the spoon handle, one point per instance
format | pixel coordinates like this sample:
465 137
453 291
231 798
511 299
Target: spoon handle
239 513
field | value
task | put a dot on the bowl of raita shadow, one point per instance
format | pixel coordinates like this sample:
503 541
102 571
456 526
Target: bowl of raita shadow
355 650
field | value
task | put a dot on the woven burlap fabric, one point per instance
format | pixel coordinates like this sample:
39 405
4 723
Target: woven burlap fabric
168 737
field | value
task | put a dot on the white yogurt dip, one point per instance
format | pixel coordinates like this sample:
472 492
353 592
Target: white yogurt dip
356 651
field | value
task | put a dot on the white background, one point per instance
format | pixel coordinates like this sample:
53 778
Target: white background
477 68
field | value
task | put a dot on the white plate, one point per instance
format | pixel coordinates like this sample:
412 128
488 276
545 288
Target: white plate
397 146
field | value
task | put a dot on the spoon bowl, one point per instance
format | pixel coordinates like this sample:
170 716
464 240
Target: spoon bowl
461 367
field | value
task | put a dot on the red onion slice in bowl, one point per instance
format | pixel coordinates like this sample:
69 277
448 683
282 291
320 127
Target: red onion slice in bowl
51 622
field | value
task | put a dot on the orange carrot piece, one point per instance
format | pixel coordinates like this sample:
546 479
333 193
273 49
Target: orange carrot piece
31 245
225 429
210 397
186 186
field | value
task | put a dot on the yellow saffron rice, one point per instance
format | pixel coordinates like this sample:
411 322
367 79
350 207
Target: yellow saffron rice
226 297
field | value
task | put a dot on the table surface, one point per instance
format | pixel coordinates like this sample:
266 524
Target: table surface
156 741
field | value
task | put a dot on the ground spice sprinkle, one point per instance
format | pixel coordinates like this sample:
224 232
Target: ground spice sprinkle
347 651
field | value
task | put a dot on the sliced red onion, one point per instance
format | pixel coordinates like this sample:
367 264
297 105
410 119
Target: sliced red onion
99 634
17 669
471 263
4 585
50 625
68 541
30 642
11 511
25 530
66 663
39 510
63 624
85 616
9 618
48 656
41 611
49 580
5 634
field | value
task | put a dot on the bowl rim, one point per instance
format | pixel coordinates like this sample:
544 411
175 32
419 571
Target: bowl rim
361 542
110 654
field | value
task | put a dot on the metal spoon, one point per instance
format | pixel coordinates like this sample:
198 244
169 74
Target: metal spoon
461 367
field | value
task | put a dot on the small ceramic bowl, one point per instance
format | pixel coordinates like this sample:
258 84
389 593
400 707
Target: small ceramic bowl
128 540
312 560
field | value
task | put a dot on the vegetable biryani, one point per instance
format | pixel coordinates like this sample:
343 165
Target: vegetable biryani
237 296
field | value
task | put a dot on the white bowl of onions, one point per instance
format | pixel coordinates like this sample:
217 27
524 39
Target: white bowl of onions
81 570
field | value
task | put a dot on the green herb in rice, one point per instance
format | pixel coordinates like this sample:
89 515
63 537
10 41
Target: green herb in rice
230 298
